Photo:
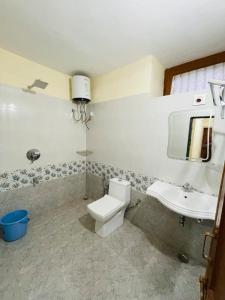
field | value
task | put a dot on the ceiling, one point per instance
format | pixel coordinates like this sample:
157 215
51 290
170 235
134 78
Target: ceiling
96 36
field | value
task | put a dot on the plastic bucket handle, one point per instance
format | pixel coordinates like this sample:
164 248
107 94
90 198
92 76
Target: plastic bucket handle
25 220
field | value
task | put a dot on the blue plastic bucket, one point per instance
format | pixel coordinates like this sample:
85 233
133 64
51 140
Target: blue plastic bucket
14 225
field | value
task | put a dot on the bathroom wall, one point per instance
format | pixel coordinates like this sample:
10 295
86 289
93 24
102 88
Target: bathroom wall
37 121
130 134
46 195
143 76
21 72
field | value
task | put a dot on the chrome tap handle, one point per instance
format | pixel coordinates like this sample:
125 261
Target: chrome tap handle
187 187
33 155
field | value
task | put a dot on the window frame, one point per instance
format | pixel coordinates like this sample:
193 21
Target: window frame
190 66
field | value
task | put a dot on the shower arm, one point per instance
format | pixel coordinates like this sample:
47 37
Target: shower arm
37 83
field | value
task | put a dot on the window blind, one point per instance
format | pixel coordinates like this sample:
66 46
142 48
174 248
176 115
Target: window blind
197 80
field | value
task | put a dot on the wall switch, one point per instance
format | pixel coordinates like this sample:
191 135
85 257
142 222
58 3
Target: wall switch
199 99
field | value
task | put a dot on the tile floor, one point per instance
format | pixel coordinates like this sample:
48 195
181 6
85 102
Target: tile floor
62 258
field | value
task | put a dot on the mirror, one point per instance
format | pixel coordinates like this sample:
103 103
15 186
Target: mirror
190 135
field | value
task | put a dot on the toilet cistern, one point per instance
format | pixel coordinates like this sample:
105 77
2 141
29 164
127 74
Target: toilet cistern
109 210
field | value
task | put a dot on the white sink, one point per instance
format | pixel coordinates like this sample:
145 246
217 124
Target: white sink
191 204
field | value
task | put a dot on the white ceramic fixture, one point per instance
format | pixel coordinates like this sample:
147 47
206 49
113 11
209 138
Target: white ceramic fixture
81 96
109 210
191 204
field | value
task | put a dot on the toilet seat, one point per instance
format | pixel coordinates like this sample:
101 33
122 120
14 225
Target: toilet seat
104 208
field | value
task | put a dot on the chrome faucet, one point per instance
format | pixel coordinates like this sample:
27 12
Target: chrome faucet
187 187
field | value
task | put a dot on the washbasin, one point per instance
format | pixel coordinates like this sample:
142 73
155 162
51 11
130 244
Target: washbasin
191 204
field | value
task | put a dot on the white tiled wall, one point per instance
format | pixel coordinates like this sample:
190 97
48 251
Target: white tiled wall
131 133
37 121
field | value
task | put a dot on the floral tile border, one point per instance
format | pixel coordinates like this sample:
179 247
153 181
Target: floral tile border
139 182
24 177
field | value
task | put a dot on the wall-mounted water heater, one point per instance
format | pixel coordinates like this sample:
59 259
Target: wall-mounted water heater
81 95
81 89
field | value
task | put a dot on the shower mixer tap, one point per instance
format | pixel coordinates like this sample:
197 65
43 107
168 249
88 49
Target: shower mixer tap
33 155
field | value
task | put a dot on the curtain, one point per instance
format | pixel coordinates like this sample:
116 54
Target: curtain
197 80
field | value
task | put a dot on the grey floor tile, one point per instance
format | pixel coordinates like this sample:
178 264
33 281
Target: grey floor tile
62 258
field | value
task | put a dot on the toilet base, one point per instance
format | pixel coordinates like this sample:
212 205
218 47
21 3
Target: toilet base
104 229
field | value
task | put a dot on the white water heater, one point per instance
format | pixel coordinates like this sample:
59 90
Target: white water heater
81 89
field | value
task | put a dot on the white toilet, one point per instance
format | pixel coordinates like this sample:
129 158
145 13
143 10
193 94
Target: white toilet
109 210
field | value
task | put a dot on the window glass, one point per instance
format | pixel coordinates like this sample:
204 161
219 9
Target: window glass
197 80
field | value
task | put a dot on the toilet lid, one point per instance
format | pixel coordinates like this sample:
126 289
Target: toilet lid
106 206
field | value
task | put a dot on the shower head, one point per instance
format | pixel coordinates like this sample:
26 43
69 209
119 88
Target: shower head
37 83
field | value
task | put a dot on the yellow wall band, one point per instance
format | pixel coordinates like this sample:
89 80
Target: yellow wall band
21 72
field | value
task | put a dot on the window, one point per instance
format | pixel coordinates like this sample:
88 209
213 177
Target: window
194 75
198 79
